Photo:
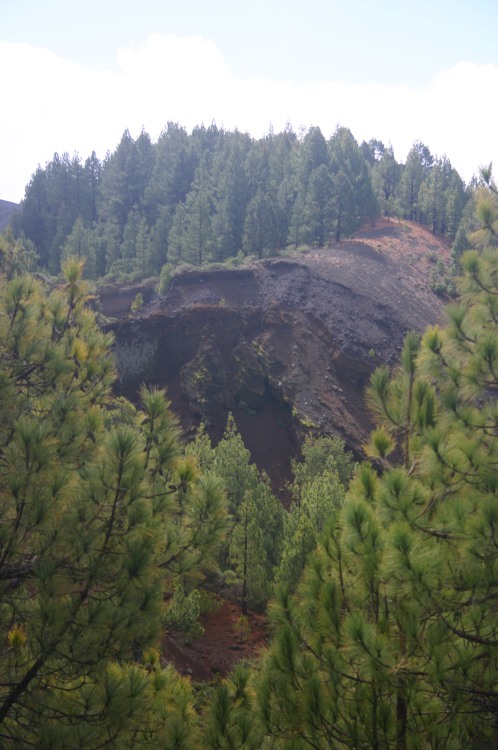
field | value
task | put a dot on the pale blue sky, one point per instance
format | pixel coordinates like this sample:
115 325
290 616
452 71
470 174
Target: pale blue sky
80 73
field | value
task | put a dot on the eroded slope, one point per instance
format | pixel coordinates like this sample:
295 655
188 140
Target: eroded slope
287 344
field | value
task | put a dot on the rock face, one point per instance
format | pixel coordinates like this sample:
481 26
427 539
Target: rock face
287 344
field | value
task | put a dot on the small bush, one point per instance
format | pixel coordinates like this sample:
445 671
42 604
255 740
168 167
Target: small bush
138 302
164 278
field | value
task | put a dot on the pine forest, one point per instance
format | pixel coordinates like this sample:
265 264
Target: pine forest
377 578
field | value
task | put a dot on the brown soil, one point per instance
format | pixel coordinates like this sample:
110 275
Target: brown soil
409 244
223 644
287 344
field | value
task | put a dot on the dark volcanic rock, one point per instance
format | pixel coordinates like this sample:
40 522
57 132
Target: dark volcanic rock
287 344
118 298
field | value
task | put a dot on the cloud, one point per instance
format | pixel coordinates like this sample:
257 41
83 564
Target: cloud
460 114
51 104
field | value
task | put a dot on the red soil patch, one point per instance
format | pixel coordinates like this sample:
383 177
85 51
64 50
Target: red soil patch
221 646
406 242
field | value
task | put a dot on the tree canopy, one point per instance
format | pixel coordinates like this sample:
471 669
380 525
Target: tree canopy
385 633
391 638
101 515
214 195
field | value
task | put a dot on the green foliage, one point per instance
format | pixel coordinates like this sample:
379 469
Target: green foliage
402 404
182 615
254 547
352 184
138 302
386 173
211 195
101 515
164 278
80 244
252 551
391 638
416 169
202 449
267 543
320 482
319 455
244 627
260 228
230 719
442 280
441 198
16 256
247 556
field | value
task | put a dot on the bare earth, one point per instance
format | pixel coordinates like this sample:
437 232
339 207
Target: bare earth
287 344
223 644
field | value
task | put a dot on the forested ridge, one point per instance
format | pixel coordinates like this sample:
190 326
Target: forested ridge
380 578
215 195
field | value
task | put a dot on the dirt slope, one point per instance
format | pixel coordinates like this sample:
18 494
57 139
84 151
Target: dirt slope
224 642
288 344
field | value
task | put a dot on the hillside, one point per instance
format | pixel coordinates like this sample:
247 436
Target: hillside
287 344
219 196
7 208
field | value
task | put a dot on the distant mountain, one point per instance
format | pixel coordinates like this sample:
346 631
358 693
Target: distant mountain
7 208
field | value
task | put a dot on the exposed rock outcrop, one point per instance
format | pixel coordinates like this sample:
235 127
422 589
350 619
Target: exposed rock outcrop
287 344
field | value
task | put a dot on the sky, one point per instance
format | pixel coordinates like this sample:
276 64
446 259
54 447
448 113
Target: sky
74 75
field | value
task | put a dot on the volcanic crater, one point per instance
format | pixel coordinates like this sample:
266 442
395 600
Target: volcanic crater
286 344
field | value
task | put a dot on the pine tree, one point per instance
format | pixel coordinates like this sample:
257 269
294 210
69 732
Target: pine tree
125 177
253 550
100 515
320 482
415 170
197 225
108 244
230 193
177 236
80 244
173 172
385 178
247 555
352 185
391 640
319 208
143 250
91 187
310 155
260 226
281 181
16 256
